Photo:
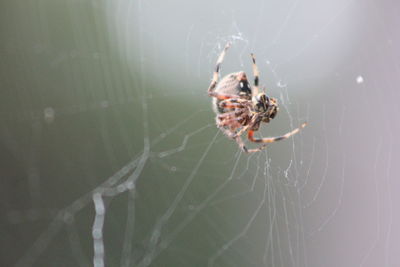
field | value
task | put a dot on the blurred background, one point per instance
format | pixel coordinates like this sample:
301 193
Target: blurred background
110 156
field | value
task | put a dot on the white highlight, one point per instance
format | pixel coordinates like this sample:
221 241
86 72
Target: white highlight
97 230
49 114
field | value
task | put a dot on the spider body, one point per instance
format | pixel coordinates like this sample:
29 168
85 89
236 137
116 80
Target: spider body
240 107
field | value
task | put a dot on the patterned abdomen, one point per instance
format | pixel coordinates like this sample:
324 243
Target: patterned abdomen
231 85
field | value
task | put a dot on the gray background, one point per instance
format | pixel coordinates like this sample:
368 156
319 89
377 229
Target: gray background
105 103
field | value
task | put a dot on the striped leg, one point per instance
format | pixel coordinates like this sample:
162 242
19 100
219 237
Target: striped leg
217 67
256 74
258 149
234 103
245 149
236 114
251 137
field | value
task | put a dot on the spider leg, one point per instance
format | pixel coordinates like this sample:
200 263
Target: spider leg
229 104
245 149
234 100
251 137
245 128
217 67
249 125
256 149
256 74
221 125
240 143
239 113
244 102
233 123
221 96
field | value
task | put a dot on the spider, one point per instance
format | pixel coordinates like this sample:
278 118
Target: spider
240 107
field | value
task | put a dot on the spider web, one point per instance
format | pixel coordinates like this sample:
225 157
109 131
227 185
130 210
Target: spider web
111 157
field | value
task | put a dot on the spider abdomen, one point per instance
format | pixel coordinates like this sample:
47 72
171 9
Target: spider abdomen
232 84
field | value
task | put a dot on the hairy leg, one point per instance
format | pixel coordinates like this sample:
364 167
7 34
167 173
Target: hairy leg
256 74
251 137
217 67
